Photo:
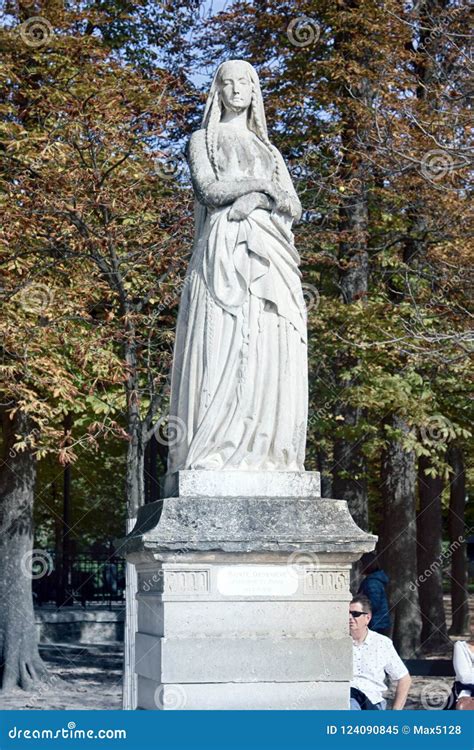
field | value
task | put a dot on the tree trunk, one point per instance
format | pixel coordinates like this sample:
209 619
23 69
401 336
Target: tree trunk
65 597
134 480
456 527
135 494
430 562
349 469
135 484
20 662
135 490
152 486
398 540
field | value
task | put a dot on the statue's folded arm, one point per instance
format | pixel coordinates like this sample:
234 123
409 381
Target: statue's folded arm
295 209
215 193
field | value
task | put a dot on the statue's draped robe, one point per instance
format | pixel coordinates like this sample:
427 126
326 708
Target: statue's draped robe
239 379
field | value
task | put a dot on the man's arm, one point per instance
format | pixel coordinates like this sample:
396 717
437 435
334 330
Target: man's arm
397 671
401 692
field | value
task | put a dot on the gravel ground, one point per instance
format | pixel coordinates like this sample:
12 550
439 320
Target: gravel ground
426 693
89 677
82 677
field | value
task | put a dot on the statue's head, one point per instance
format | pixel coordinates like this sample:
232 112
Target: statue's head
235 87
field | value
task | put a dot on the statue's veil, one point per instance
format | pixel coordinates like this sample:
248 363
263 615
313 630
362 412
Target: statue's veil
256 115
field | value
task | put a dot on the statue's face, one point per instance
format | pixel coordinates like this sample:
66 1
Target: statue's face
235 87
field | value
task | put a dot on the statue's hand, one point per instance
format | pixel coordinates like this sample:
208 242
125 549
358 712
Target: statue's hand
243 206
283 202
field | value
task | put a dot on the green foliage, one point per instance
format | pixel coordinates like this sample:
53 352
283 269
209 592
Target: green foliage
97 499
95 223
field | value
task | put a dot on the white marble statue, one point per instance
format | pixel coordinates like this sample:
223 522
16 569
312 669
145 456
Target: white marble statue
239 381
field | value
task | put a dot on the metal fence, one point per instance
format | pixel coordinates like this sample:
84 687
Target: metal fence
82 579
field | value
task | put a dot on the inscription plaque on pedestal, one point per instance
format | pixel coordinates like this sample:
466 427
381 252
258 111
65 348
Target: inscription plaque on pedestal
257 580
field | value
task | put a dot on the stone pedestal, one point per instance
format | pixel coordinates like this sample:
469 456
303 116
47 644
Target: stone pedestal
243 591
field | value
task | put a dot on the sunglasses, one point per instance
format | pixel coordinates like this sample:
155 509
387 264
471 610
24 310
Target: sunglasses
357 614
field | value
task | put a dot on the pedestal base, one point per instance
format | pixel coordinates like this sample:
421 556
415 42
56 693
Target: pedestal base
243 600
245 696
237 483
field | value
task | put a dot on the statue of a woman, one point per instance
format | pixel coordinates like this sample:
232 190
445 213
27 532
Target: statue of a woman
239 379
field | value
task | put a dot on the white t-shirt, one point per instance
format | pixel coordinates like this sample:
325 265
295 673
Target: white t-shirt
463 663
373 659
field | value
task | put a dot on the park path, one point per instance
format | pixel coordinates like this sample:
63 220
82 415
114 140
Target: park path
89 676
82 677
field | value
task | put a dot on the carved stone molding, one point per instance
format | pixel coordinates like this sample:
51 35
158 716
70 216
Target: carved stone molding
326 581
186 581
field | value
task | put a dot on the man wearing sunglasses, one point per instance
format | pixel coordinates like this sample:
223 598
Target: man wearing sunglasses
374 657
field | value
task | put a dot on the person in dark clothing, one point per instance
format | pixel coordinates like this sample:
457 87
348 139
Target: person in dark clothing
373 586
